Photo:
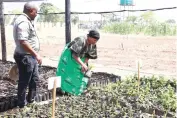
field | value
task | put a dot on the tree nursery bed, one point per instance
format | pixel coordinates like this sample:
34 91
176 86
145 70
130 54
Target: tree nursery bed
155 99
107 97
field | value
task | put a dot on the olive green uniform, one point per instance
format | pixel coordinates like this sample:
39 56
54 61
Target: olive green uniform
80 49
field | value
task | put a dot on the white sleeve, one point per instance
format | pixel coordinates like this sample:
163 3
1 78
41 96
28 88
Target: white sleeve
23 31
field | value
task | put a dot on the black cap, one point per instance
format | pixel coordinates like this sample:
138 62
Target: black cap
94 34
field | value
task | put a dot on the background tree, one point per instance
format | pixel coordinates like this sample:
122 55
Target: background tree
46 9
74 19
171 21
131 19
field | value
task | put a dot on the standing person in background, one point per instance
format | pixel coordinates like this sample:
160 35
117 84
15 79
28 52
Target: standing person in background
26 54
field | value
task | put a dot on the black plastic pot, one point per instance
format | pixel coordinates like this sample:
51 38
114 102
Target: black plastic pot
13 103
50 95
6 105
43 97
37 98
40 97
2 106
47 95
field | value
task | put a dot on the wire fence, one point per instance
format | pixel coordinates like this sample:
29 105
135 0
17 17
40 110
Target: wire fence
113 21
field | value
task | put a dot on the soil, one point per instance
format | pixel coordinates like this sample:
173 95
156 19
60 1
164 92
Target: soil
158 54
9 90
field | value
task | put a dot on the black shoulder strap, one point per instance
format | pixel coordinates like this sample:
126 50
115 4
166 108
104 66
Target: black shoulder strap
71 43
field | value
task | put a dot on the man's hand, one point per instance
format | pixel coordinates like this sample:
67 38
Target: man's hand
29 49
84 68
86 61
39 59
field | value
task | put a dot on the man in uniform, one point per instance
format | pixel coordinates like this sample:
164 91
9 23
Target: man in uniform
85 47
26 54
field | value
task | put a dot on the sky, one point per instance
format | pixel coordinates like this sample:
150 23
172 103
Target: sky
110 5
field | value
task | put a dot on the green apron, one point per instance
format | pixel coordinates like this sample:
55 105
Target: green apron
73 80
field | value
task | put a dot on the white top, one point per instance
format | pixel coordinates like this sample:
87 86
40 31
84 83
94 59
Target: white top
24 30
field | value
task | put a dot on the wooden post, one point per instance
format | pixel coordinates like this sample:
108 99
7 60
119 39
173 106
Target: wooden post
67 21
54 98
138 76
3 38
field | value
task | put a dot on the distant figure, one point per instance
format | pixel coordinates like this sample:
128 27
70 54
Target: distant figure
26 54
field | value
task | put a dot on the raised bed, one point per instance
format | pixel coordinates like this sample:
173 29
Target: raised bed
156 98
8 95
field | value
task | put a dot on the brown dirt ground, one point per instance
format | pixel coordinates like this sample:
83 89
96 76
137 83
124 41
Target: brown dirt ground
158 54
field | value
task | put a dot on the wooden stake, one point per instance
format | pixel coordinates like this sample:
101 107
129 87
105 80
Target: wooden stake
153 115
3 34
54 98
138 76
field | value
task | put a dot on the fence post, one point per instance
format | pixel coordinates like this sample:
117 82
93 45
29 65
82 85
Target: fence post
3 38
67 21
